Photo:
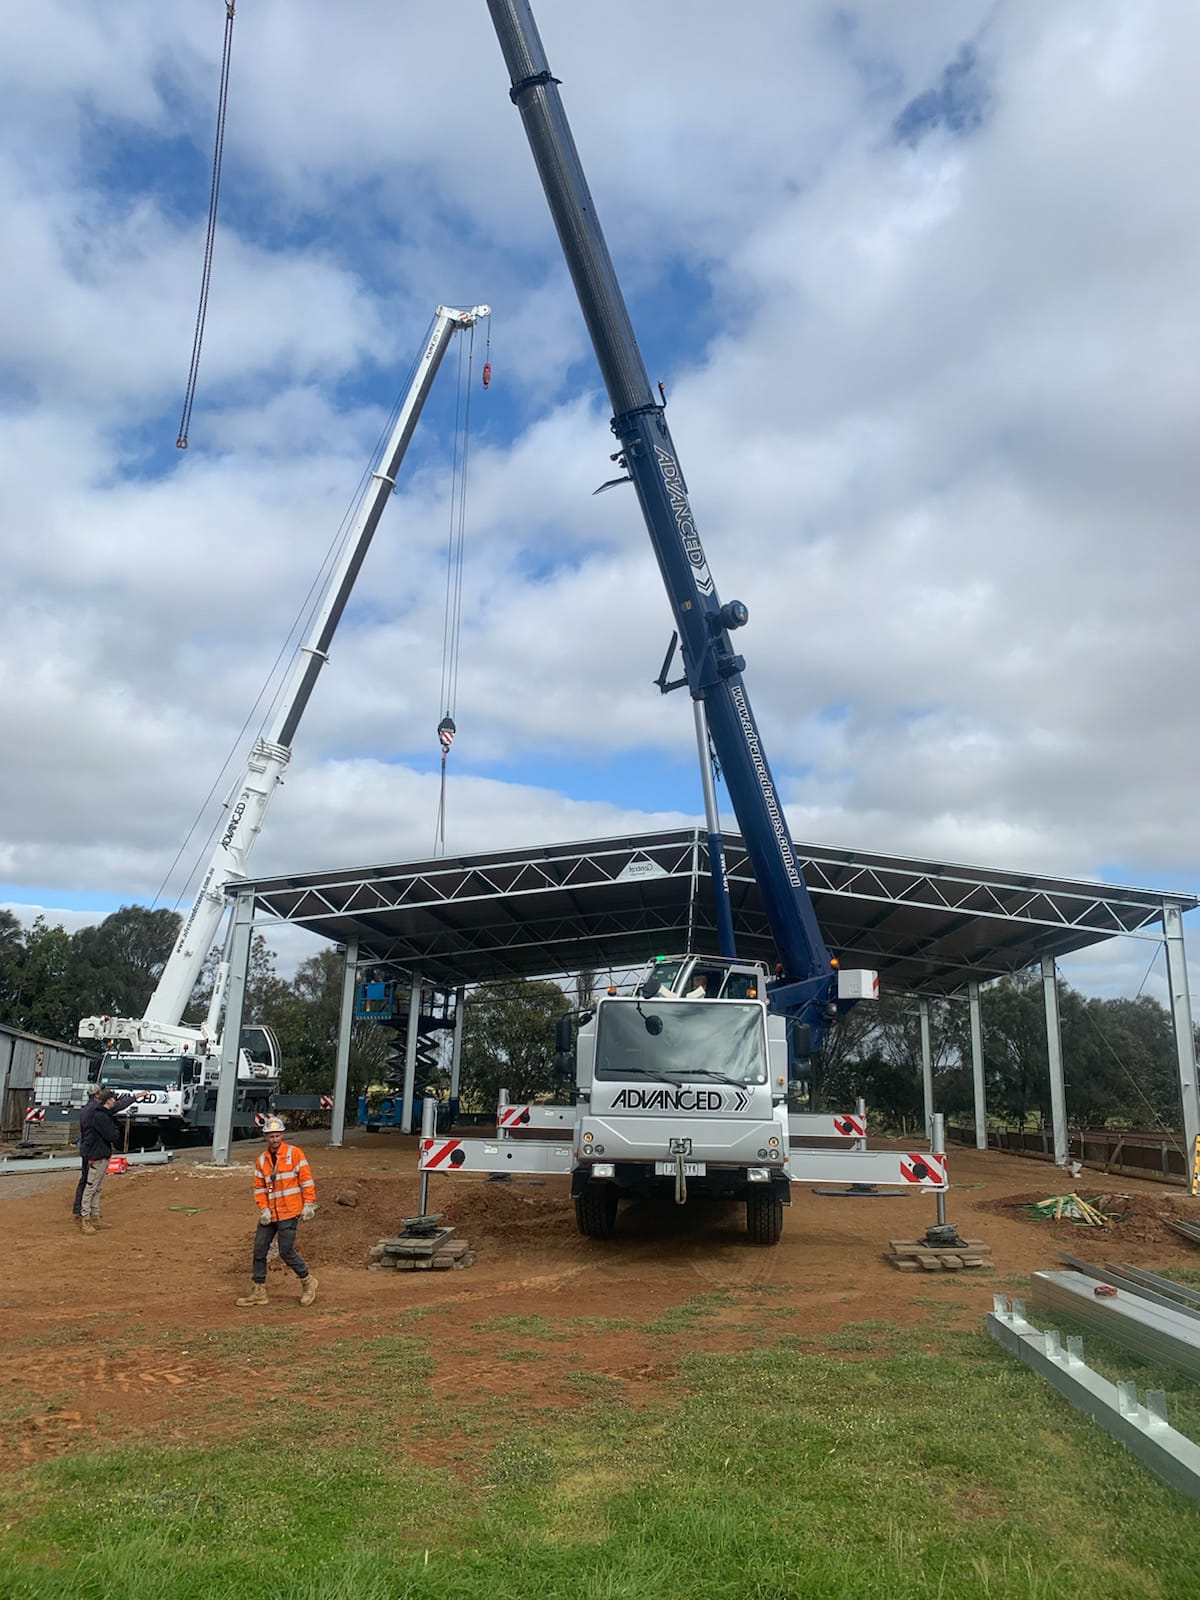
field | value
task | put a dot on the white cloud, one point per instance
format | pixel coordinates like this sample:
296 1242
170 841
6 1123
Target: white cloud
936 409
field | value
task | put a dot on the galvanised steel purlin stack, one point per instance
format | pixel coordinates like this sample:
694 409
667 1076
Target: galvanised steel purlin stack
1153 1333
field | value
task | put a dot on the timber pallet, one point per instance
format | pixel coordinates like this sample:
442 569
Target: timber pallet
434 1251
914 1255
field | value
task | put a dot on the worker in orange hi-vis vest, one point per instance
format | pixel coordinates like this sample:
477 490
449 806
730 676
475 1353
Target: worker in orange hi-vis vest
285 1195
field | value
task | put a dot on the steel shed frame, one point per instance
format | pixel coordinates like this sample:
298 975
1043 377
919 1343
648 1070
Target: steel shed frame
931 928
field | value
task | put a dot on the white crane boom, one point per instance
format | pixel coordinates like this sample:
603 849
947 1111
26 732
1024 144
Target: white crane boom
160 1028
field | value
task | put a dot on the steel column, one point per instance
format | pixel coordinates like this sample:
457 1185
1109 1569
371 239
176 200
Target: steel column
1058 1094
460 1012
242 931
926 1066
410 1054
1181 1020
341 1063
977 1078
716 844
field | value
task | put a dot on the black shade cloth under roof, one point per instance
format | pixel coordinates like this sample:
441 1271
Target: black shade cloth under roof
614 903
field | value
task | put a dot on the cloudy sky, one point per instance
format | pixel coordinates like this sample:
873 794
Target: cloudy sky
921 282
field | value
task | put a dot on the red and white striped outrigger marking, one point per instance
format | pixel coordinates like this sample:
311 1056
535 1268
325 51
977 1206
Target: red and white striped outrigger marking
442 1153
851 1127
326 1102
35 1114
512 1116
929 1168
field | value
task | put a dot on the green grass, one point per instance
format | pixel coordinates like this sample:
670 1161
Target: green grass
779 1474
533 1327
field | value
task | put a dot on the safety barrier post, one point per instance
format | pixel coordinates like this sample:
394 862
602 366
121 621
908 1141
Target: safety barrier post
429 1110
937 1146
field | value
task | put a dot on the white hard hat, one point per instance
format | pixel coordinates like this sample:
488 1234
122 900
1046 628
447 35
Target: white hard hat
274 1125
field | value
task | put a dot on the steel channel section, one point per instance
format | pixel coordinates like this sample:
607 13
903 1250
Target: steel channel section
1147 1285
1178 1293
1152 1333
926 1065
1167 1452
70 1162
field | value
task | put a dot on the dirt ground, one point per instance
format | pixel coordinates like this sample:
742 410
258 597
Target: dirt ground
135 1330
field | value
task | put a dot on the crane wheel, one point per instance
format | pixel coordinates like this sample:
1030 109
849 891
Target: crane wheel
596 1211
764 1215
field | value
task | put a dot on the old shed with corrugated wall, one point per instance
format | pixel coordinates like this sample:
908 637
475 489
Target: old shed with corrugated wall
36 1071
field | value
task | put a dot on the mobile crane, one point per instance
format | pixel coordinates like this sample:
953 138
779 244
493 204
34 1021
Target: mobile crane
173 1064
674 1092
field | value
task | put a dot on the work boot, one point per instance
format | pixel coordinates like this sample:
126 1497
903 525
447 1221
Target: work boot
256 1297
96 1223
308 1290
86 1225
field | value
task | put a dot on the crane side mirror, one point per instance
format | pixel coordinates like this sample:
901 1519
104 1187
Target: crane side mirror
564 1037
651 986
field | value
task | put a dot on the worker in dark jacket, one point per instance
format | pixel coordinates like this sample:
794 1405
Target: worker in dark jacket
96 1146
85 1120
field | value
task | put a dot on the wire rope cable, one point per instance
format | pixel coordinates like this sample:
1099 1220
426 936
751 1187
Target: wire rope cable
185 420
267 700
455 548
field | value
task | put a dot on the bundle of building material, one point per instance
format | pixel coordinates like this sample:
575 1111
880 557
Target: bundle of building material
1151 1330
1069 1208
1189 1230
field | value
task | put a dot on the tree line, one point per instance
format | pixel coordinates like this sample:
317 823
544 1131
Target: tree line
1119 1055
1119 1059
49 979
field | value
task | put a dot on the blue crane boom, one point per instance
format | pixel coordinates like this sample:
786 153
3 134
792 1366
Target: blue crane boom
807 987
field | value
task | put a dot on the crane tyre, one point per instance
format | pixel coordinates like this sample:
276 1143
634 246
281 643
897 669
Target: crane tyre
764 1215
596 1211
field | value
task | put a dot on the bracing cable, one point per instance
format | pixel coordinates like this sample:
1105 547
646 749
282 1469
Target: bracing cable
185 421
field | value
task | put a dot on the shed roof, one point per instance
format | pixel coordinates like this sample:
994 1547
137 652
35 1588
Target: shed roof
603 904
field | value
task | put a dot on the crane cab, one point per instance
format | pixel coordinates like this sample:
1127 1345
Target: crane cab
724 978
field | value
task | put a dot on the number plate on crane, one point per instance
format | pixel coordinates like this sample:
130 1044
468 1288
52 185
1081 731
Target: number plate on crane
691 1169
